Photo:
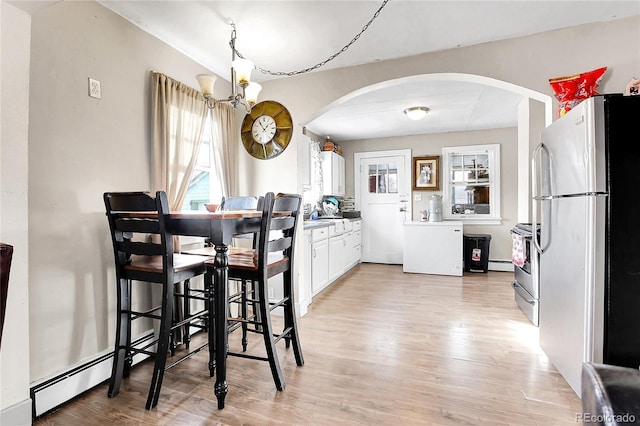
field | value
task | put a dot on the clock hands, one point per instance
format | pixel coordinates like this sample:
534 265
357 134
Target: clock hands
260 120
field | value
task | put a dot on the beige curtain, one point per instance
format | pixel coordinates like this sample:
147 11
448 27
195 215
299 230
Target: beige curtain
225 134
178 114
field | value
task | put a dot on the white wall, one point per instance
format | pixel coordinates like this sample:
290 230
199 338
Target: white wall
14 86
80 147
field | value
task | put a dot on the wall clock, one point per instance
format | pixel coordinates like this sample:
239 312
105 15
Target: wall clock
267 130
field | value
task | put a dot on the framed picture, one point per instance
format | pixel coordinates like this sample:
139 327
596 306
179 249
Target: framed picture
426 173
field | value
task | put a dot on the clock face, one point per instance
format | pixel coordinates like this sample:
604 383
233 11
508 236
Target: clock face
263 129
267 130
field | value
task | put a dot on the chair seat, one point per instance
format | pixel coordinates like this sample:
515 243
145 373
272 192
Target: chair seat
247 259
202 251
181 262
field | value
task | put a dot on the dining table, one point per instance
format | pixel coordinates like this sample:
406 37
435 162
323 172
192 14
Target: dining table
219 228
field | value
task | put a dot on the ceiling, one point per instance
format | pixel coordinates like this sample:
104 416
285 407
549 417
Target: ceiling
293 35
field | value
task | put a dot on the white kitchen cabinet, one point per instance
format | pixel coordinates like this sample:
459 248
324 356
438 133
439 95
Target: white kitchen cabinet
337 257
319 260
334 249
307 289
333 173
433 248
354 241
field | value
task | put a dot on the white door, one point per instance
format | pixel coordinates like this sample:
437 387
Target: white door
382 196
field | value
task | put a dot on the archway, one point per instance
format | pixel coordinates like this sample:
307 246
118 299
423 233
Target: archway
461 96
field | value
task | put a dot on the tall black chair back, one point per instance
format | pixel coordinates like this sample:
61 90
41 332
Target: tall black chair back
272 256
6 254
143 253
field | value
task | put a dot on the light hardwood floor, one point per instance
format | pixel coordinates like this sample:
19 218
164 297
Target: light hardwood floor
381 348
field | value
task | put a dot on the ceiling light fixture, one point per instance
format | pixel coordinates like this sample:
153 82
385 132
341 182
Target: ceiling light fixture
416 113
240 76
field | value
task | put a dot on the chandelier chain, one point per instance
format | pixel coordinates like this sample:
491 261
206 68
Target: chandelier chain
329 59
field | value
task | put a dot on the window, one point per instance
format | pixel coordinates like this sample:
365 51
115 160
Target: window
383 178
204 185
471 183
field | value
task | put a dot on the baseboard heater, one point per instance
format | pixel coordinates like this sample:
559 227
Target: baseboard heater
500 265
50 393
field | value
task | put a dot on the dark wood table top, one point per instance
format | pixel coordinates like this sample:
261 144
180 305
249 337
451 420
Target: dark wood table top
198 214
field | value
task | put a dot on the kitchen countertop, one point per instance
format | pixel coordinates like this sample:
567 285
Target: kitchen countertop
321 223
314 224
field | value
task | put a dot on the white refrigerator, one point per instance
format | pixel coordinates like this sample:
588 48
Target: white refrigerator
585 174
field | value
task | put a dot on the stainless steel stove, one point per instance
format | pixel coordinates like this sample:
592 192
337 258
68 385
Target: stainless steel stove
526 284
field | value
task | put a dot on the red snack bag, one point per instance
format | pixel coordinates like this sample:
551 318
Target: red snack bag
573 89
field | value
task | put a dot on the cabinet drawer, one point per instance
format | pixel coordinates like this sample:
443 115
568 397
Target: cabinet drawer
357 225
356 238
319 234
336 228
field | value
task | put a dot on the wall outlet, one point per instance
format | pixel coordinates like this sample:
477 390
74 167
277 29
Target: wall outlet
272 293
417 197
94 89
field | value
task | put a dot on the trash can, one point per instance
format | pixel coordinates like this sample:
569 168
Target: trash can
476 252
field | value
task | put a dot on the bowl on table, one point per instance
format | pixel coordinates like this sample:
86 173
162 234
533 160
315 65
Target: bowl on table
211 207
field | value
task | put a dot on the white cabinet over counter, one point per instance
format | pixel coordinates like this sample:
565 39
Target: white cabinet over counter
333 173
433 248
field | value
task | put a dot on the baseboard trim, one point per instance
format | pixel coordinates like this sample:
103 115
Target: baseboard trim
17 415
50 393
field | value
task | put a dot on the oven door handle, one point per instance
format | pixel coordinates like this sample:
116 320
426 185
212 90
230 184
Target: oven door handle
523 293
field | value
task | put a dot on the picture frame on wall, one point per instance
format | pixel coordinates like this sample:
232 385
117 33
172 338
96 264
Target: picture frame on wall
426 173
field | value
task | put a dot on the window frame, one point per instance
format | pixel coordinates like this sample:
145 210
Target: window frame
493 152
386 173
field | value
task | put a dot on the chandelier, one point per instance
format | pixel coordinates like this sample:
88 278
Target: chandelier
241 72
240 76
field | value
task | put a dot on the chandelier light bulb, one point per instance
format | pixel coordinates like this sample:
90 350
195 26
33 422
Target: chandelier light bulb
242 68
251 93
206 82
